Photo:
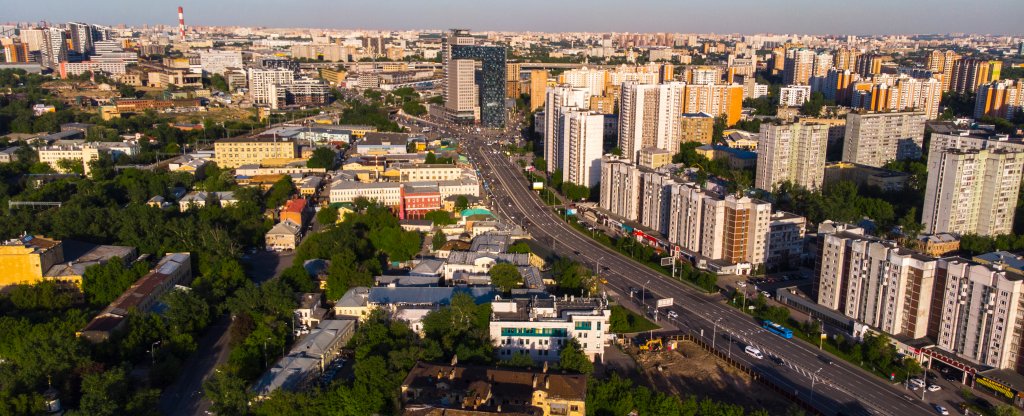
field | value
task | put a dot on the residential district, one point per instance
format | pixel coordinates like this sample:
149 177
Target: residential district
234 220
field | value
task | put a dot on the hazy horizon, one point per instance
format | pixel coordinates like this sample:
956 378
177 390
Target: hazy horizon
869 17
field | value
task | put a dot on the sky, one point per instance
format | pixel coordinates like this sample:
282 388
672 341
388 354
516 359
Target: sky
853 17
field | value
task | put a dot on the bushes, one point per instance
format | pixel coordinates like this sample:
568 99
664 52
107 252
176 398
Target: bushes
624 321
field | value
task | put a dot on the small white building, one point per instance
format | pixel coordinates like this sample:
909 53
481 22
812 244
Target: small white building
541 327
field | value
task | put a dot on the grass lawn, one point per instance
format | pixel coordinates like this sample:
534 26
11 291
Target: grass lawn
625 321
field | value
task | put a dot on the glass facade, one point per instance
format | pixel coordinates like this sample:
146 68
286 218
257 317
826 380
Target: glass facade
534 332
490 79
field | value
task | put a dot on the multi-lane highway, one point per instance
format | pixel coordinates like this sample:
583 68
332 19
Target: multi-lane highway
830 385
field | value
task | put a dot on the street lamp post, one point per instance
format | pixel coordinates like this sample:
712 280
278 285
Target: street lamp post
714 333
643 293
152 351
814 377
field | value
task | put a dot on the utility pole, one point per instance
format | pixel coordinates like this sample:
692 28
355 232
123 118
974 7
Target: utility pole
714 334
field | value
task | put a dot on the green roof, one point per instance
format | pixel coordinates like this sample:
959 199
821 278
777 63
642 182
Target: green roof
476 211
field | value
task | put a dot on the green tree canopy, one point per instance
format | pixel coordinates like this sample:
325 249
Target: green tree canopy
505 277
323 157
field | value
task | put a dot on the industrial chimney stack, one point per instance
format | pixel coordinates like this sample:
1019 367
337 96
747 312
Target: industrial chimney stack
181 23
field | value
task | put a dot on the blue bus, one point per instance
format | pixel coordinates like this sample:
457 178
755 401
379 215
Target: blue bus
777 329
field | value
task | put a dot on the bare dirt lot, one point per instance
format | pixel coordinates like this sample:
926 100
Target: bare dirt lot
690 370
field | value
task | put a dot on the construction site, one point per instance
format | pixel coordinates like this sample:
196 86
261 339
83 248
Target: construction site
683 368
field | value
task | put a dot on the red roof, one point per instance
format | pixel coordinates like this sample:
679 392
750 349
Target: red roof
295 205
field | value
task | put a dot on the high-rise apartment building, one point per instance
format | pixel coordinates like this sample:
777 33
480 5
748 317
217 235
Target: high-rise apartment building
217 62
794 95
792 153
696 127
16 52
874 139
941 63
513 71
538 88
582 140
716 100
620 187
54 47
845 59
973 184
900 94
461 90
655 200
81 38
980 314
735 229
703 75
34 38
265 85
649 117
876 282
999 99
869 65
799 66
594 80
686 206
836 86
969 73
822 63
560 101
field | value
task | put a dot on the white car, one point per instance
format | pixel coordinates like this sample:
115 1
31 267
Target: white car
672 315
741 284
916 382
753 352
934 387
941 410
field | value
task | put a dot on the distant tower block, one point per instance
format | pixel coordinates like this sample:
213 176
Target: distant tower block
181 23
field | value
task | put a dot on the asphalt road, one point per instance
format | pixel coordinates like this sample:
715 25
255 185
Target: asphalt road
828 383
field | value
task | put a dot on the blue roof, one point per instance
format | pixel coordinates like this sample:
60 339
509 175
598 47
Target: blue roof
427 295
739 153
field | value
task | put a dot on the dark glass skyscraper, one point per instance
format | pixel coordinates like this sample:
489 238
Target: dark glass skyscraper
490 79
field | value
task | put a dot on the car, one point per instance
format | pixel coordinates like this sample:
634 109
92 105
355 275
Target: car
934 387
753 352
672 315
916 382
940 409
741 284
766 294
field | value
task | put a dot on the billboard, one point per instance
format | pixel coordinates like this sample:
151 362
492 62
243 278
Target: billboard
538 186
667 261
570 211
664 303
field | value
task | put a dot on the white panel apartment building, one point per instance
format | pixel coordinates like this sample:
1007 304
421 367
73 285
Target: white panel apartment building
217 62
874 139
386 193
264 83
791 152
560 100
973 182
649 117
655 201
582 142
541 327
876 282
593 80
794 95
686 209
980 313
620 187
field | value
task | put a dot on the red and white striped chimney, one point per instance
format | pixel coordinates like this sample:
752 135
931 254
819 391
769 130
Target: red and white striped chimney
181 23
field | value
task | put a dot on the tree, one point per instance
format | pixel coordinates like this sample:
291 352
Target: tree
414 108
718 129
439 240
323 157
910 225
218 83
327 216
102 283
519 248
71 166
281 191
505 277
575 192
572 358
186 311
461 203
439 217
227 393
104 393
540 164
813 106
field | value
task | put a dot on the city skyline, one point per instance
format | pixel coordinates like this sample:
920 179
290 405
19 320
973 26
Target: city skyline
742 16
